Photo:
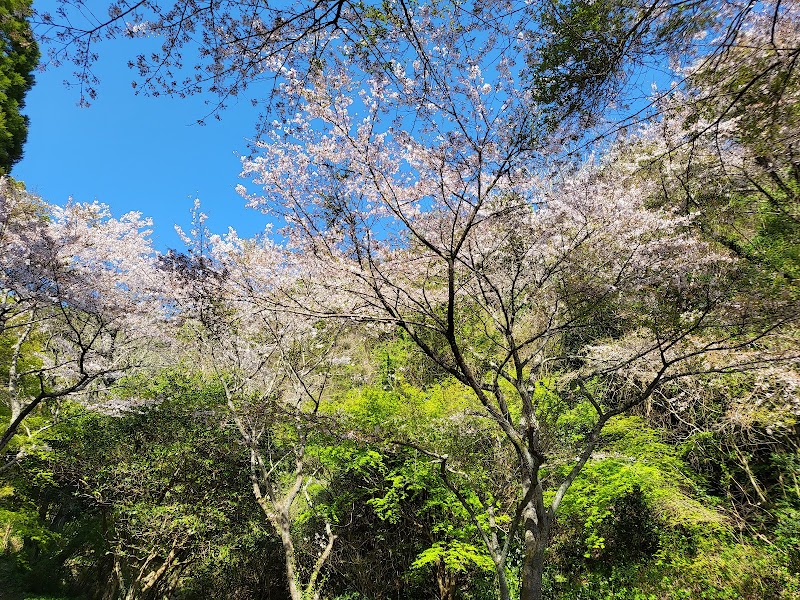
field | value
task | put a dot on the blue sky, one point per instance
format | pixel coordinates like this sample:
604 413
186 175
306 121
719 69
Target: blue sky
134 152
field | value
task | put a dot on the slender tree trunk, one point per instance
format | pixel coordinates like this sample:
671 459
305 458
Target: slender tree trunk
6 538
145 582
283 524
298 590
116 581
503 591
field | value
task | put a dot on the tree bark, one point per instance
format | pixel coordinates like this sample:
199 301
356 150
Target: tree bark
536 528
283 524
446 581
532 567
503 591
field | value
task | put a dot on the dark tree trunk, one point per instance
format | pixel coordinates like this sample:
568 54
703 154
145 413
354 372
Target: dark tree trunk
532 570
536 528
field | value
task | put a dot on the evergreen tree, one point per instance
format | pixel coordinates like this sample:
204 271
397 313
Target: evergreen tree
19 55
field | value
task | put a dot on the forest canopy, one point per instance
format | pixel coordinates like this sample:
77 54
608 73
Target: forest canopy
517 331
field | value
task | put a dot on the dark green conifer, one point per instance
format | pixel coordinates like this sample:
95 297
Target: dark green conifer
19 55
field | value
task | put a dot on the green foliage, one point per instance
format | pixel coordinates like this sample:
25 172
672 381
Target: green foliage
634 484
113 492
639 516
394 490
637 524
403 408
583 58
20 525
761 226
456 556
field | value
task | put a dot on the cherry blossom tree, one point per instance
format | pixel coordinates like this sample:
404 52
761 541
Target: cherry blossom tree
243 44
275 365
418 199
587 63
726 148
725 151
78 298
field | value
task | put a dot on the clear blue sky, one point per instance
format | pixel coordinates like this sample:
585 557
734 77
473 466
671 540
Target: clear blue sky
134 152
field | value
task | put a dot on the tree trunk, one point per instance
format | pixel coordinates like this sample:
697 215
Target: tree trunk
503 591
446 581
532 568
536 527
283 524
